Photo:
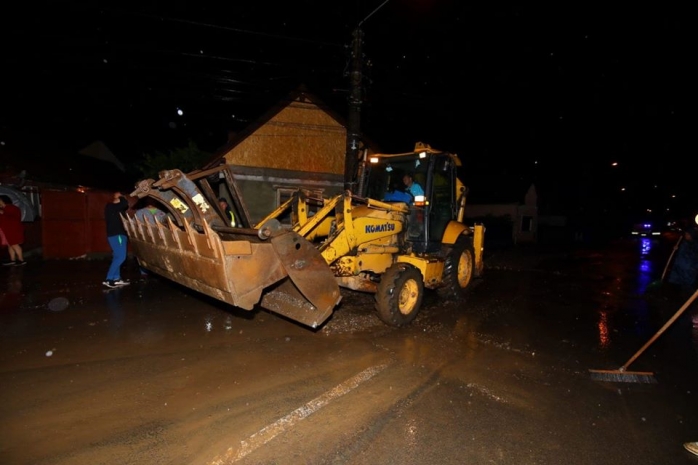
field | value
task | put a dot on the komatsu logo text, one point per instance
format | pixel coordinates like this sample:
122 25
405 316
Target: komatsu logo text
374 228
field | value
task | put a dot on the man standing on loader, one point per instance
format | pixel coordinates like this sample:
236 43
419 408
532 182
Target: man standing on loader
223 203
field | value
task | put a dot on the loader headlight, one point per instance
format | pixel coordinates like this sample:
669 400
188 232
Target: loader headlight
373 159
420 200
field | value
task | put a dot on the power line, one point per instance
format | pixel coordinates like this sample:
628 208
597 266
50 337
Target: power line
230 29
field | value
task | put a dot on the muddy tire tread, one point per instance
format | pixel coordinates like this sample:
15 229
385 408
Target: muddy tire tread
388 294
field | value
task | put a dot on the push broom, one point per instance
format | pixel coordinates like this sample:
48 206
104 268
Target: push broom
622 375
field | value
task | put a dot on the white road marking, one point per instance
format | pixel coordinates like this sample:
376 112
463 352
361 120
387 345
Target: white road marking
487 392
269 432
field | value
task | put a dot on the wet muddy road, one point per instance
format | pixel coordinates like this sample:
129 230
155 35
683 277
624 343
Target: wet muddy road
154 374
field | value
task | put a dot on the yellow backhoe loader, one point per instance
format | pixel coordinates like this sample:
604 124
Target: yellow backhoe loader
371 241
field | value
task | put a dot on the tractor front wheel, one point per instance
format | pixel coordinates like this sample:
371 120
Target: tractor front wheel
399 294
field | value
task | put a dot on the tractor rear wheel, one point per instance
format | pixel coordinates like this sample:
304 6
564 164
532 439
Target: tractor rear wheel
399 294
458 270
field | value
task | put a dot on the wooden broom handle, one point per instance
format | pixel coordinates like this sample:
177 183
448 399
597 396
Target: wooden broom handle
668 262
661 330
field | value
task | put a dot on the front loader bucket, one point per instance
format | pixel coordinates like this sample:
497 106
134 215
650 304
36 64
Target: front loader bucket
285 274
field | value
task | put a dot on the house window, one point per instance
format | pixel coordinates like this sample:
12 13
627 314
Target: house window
526 223
314 201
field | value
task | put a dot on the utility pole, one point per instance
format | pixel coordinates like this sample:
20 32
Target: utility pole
354 120
355 101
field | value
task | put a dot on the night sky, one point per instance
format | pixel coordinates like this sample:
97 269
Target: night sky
555 94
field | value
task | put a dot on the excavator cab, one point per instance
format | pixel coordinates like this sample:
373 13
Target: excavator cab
429 214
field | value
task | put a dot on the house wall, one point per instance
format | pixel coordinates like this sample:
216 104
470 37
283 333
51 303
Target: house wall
523 217
499 221
73 223
528 217
261 186
302 146
477 211
68 222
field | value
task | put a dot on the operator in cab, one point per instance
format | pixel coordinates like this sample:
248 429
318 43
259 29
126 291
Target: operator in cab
396 194
412 187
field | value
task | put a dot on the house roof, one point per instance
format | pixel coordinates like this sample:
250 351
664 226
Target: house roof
27 158
100 151
299 94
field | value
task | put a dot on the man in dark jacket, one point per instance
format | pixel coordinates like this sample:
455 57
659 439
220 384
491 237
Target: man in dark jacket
118 241
684 270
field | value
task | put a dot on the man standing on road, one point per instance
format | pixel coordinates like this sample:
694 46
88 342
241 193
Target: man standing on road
684 270
118 241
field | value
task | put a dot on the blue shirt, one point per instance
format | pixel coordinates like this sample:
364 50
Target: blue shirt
415 189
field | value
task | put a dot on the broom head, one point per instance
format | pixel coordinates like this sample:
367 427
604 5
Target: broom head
623 376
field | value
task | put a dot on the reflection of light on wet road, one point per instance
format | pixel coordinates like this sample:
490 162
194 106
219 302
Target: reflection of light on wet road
208 323
116 312
644 275
411 432
604 339
12 297
621 306
645 265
